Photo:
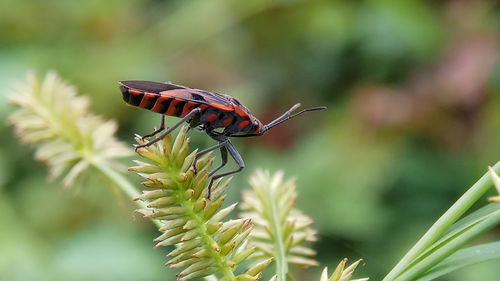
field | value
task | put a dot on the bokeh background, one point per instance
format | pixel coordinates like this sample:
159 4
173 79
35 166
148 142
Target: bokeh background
413 119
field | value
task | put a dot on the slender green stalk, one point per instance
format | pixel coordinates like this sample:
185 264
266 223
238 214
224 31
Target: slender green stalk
443 223
462 258
279 245
450 247
120 181
281 231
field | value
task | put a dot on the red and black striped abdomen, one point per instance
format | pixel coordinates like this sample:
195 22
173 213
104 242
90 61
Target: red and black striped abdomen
172 104
217 111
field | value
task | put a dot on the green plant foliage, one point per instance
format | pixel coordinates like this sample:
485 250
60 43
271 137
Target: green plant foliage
496 181
280 229
463 258
342 273
205 244
449 234
68 138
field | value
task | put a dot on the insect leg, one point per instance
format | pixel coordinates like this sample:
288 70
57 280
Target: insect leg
223 154
220 145
169 130
162 127
237 158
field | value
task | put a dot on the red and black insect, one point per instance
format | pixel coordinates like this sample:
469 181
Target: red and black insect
205 111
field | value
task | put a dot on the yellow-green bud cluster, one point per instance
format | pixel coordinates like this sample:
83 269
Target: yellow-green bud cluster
277 224
342 273
204 243
69 139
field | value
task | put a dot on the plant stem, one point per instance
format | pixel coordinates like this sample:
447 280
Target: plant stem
440 254
443 223
132 192
207 239
121 182
279 245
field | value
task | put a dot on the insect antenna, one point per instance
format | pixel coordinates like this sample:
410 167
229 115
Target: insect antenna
288 115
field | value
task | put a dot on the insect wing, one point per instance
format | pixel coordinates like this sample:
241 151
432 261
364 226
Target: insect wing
199 96
180 92
149 86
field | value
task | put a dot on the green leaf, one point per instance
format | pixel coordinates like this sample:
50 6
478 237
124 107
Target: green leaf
472 218
463 258
462 225
496 181
442 225
447 248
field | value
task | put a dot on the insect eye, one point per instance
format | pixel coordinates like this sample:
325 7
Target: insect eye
255 124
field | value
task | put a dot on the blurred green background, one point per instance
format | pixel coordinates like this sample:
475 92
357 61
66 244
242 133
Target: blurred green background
413 119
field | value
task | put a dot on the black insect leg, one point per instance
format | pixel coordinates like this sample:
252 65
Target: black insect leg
220 145
162 127
169 130
237 158
223 154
